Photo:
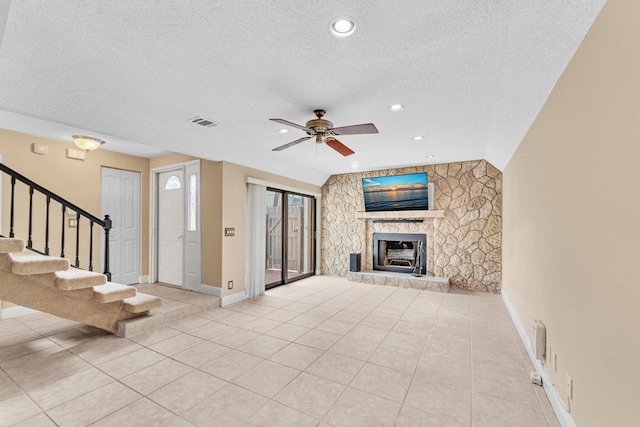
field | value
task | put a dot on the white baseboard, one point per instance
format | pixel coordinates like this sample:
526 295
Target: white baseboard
8 313
552 393
209 290
233 298
143 279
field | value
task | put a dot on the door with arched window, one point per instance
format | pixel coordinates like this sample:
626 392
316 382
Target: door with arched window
171 227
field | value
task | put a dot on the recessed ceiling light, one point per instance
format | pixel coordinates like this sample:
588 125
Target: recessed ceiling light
354 165
343 26
283 131
395 108
430 156
418 138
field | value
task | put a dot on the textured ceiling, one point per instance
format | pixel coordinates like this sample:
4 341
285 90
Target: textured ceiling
473 74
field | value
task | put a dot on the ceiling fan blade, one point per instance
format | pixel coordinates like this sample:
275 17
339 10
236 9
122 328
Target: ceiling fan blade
291 144
339 147
355 129
288 123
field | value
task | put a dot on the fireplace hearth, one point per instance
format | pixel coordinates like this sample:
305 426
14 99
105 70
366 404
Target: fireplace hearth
400 252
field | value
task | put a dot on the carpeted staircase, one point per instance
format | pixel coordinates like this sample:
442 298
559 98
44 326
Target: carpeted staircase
50 285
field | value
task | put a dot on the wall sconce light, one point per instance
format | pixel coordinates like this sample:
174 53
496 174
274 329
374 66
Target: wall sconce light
87 143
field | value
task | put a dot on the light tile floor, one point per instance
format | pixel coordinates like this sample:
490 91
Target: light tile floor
319 352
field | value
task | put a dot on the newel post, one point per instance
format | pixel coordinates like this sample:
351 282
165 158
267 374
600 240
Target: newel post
107 227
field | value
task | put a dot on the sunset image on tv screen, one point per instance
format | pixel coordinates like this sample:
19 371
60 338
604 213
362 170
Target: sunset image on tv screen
394 193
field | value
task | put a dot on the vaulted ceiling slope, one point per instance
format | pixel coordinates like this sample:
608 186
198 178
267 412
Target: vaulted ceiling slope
472 75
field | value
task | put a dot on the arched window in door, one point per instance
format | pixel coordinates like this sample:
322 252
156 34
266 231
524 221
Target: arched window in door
173 183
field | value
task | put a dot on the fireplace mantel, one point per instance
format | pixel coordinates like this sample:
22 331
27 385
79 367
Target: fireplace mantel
400 214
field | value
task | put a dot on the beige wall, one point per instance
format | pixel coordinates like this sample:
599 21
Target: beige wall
170 159
571 229
212 223
77 181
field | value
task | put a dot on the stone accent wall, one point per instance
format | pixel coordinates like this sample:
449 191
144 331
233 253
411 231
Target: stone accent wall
464 244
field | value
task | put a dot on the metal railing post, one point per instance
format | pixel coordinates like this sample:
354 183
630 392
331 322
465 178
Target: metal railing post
13 200
91 246
30 240
46 229
77 240
64 211
107 227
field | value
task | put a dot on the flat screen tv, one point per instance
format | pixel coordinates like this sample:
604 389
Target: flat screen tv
408 192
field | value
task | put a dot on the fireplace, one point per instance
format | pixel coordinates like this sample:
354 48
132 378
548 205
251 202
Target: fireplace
400 252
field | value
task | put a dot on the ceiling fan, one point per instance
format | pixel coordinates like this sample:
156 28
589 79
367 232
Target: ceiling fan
324 131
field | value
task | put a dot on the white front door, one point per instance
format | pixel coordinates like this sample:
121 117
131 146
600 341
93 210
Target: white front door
120 199
171 227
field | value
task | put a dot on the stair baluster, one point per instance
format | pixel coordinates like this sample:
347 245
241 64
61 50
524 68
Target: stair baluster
107 227
13 196
30 240
46 228
64 211
77 264
90 245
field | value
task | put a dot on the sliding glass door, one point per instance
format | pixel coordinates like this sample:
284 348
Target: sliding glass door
274 238
299 236
290 237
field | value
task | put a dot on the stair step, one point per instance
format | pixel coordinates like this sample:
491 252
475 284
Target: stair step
25 264
112 292
73 279
11 245
141 303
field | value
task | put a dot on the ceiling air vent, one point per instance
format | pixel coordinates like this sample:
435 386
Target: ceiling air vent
202 121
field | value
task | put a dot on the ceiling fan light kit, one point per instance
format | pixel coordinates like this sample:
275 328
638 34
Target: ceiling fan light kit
324 132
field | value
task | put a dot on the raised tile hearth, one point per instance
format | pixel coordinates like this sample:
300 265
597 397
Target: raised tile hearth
400 280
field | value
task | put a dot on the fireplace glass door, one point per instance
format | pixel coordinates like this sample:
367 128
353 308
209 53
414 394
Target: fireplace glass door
400 252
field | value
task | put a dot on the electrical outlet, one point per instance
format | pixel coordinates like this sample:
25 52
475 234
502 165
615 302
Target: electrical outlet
230 284
569 387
